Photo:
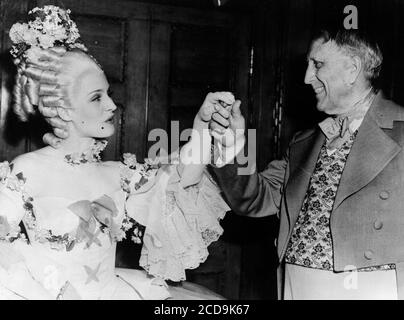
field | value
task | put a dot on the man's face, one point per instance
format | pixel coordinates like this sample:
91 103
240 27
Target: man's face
328 73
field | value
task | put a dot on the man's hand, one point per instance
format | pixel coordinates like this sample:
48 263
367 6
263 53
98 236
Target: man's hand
228 130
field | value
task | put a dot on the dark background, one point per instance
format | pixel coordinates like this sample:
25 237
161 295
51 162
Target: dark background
162 57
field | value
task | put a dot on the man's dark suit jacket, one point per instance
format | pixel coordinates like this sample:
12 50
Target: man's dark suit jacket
367 220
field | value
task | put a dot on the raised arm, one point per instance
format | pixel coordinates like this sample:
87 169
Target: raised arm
196 154
248 193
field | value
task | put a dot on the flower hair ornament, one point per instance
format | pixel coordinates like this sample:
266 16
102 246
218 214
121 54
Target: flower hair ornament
47 27
38 47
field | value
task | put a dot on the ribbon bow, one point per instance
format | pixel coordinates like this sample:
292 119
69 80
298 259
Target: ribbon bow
336 130
102 210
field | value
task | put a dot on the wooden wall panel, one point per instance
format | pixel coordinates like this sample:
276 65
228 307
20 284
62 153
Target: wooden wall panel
105 39
137 99
158 110
141 10
200 63
14 136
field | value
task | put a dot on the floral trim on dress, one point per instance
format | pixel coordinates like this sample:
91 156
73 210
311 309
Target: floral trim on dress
131 166
67 241
91 155
146 170
10 231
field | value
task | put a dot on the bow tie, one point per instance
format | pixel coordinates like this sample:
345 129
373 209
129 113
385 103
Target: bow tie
337 131
338 128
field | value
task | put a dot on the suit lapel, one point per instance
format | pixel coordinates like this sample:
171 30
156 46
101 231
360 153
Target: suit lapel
303 157
372 150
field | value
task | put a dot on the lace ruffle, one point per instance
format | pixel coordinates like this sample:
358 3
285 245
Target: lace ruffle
180 224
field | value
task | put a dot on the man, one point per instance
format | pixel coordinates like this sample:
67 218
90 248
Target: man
338 192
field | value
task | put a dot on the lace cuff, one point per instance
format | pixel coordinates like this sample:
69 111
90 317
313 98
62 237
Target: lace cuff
180 224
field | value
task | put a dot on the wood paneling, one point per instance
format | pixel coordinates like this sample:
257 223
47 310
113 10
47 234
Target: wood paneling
104 37
201 62
142 11
137 77
15 136
159 76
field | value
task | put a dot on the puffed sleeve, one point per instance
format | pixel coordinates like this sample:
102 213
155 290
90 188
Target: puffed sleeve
180 222
21 266
12 190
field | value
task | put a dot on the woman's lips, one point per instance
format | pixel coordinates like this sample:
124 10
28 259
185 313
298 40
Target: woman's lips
110 119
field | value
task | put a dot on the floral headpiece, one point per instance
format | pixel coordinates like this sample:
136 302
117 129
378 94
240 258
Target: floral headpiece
47 27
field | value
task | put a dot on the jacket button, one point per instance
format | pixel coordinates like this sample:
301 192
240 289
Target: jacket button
384 195
378 224
368 254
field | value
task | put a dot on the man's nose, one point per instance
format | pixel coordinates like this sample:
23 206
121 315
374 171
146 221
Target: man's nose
309 76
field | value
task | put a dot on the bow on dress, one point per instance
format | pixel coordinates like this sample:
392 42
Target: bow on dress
102 210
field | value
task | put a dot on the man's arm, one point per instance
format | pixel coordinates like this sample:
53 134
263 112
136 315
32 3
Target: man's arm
255 194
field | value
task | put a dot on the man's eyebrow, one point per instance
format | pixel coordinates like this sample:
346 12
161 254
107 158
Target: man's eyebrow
315 60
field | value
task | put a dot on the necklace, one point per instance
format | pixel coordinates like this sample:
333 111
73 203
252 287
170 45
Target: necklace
90 155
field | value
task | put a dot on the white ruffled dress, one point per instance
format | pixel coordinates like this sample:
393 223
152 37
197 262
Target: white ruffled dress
71 245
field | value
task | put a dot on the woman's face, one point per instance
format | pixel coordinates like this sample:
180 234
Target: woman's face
93 109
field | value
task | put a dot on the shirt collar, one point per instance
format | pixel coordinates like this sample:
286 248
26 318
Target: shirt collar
356 114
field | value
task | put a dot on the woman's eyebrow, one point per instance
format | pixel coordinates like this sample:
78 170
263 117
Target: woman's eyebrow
97 90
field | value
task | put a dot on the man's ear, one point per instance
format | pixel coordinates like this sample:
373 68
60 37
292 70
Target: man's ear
65 113
355 69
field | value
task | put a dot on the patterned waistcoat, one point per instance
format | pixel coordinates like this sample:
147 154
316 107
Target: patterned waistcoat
311 244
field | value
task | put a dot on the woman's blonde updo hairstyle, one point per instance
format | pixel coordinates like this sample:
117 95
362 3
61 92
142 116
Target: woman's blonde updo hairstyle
40 49
44 84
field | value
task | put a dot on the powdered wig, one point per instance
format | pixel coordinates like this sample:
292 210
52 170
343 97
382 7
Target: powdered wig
43 84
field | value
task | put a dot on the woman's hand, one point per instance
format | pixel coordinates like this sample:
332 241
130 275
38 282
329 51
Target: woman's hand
197 152
215 107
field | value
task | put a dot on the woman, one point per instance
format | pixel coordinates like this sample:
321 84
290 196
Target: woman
75 207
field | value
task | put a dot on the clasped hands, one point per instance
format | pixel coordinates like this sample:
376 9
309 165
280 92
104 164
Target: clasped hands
220 112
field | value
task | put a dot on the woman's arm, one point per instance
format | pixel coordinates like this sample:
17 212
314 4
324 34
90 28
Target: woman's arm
197 152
